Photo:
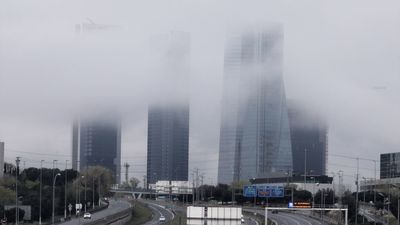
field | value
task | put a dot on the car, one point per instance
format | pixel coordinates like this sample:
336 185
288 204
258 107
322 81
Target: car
162 219
274 211
87 216
242 220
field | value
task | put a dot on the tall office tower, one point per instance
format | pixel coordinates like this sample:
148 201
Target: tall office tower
97 142
168 116
1 159
309 135
254 135
390 165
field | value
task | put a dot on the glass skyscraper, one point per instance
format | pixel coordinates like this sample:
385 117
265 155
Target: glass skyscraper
254 135
309 137
390 165
97 142
168 115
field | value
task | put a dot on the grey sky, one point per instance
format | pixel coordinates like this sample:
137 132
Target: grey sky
337 57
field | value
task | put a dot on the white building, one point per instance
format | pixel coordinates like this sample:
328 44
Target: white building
175 187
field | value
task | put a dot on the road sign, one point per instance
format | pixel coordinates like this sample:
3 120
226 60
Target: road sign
250 191
78 206
264 191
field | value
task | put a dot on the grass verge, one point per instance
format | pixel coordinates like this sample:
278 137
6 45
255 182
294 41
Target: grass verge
179 219
140 214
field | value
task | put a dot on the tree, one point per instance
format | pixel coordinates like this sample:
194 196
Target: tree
10 215
134 182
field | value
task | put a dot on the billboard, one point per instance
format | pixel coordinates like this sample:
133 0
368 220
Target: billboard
264 191
250 191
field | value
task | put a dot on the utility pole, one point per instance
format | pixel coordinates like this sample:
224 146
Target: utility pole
356 219
305 168
193 189
201 186
17 161
40 192
65 190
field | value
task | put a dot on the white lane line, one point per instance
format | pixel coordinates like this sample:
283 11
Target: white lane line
297 222
255 221
163 207
158 211
300 218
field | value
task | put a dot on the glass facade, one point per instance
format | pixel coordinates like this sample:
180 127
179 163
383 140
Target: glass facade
255 135
97 143
390 165
308 132
168 117
168 143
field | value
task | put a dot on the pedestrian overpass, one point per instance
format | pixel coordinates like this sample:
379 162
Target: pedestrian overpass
136 193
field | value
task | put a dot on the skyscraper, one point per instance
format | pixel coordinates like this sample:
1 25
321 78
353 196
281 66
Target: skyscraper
254 135
390 165
308 132
97 142
168 118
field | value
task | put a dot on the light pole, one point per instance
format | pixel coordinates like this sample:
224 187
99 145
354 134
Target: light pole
65 190
313 191
40 192
305 168
357 185
79 194
54 184
365 181
85 189
93 192
255 194
17 161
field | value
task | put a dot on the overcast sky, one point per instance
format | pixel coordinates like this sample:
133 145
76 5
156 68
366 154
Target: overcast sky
340 57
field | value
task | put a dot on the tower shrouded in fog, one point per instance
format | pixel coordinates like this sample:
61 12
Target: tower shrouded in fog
97 142
308 132
168 118
254 135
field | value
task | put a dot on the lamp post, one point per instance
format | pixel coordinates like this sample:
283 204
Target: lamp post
79 194
313 192
85 190
305 168
65 190
54 184
17 161
40 192
93 192
365 181
255 194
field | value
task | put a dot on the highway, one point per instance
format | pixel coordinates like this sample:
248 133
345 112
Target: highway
158 211
113 208
284 218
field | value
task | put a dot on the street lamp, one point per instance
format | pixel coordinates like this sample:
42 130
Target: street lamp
313 192
65 190
54 184
93 192
17 161
365 182
40 192
255 194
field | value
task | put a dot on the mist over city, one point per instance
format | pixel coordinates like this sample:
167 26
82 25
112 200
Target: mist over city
232 86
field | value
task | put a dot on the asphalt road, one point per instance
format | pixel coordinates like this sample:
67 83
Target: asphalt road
113 208
158 211
283 218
